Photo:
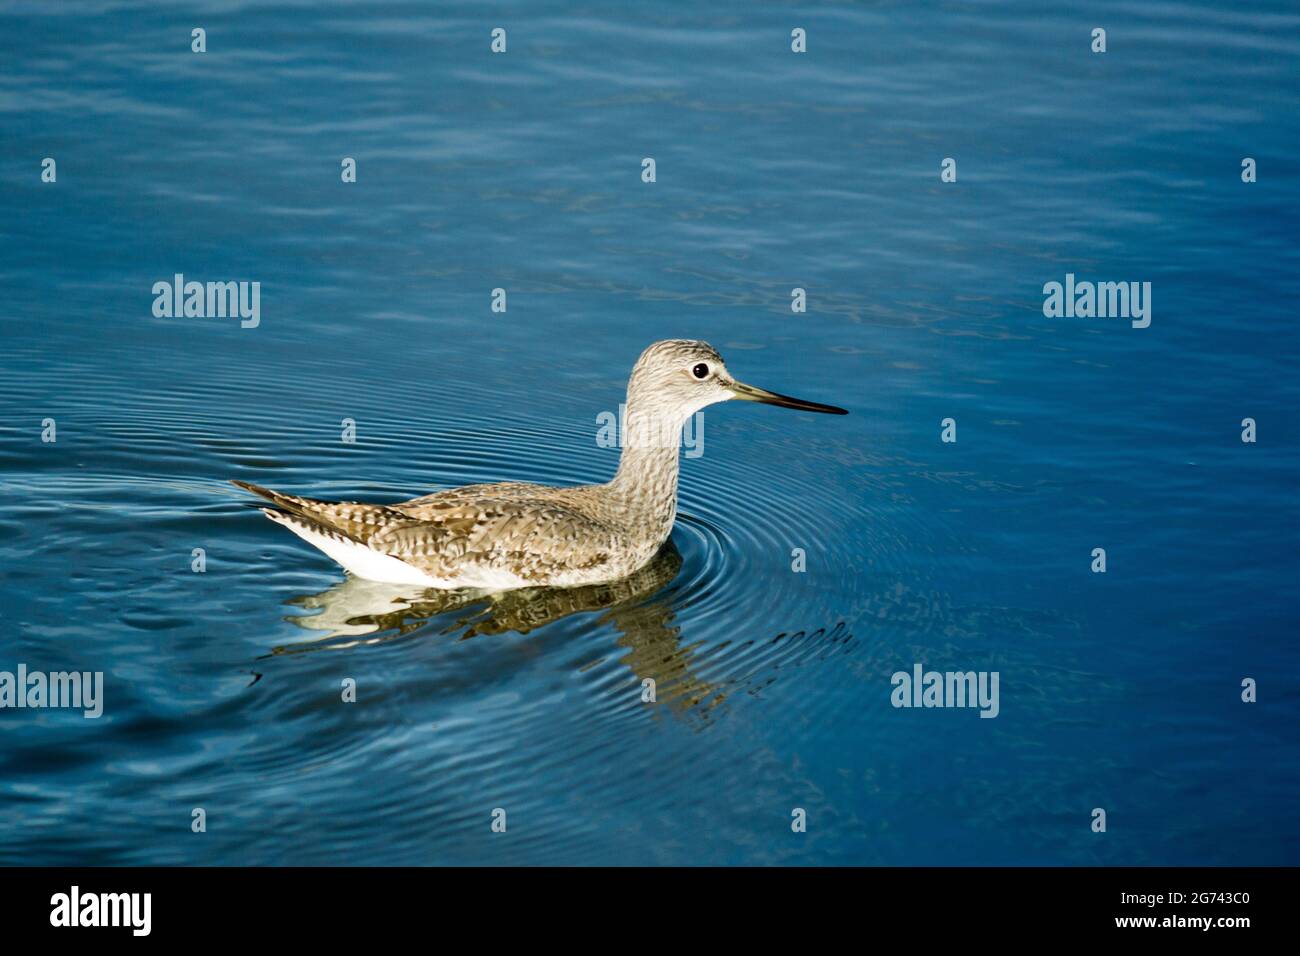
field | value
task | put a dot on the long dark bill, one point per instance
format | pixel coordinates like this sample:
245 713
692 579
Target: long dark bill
751 394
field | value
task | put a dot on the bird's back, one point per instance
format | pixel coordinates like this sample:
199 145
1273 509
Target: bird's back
536 534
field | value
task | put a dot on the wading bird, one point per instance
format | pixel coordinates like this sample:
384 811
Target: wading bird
516 535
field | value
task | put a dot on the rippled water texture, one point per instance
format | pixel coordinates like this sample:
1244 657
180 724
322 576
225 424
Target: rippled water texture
774 171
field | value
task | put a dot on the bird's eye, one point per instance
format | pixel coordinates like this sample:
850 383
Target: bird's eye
700 371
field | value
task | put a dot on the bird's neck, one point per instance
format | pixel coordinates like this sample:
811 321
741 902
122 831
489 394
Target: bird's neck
646 482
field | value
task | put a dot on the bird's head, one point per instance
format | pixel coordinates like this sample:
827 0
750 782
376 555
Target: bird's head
675 378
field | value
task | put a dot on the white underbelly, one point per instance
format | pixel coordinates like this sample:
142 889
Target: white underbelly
372 565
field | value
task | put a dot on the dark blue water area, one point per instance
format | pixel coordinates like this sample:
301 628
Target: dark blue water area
774 171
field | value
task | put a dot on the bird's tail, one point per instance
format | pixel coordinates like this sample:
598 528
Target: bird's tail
342 529
291 503
357 521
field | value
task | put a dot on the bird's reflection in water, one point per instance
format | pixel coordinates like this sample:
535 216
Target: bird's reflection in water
357 611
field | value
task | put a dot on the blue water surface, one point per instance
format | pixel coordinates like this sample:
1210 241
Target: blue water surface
774 170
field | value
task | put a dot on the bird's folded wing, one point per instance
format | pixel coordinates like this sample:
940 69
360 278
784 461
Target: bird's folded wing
518 536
